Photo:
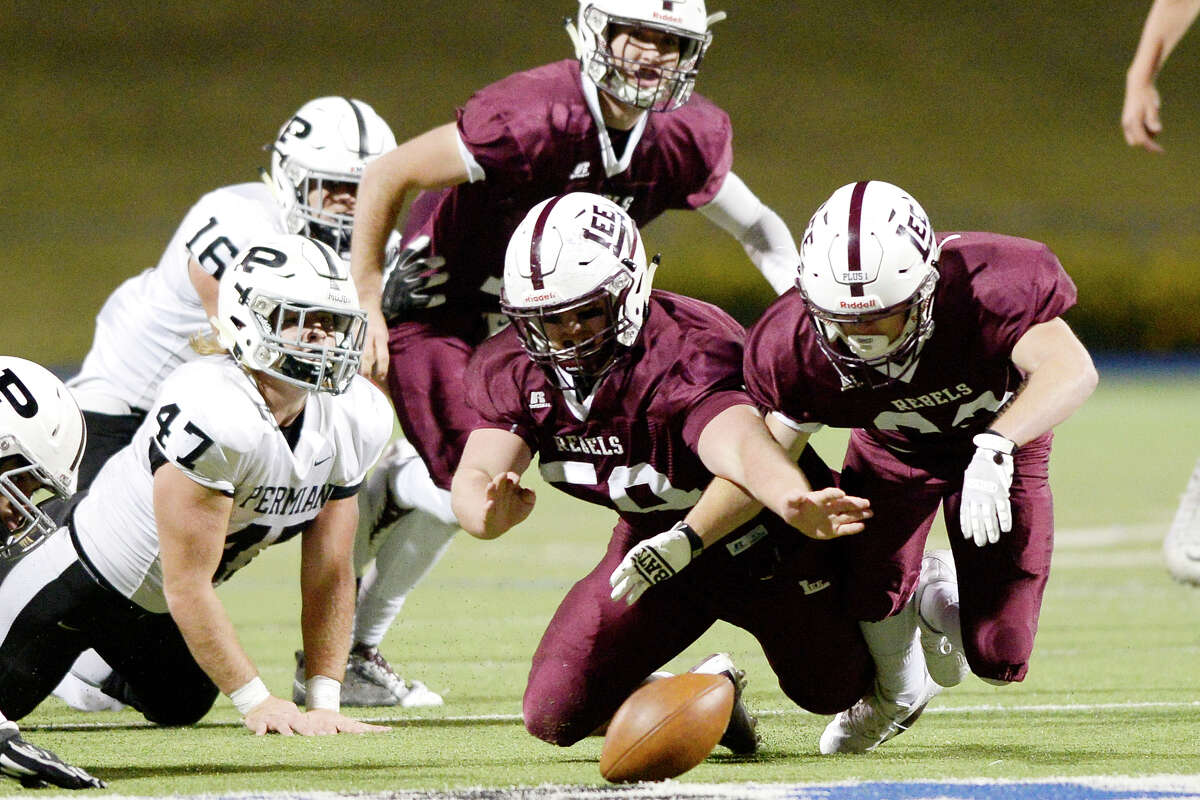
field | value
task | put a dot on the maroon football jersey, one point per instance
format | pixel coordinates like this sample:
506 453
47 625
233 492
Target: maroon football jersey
991 290
634 450
534 137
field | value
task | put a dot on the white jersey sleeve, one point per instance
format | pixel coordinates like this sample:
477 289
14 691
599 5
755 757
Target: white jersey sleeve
367 432
142 331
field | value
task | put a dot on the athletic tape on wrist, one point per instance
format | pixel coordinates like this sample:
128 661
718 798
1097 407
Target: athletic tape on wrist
324 693
250 695
694 541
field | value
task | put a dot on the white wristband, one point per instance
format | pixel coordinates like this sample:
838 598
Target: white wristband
250 695
324 693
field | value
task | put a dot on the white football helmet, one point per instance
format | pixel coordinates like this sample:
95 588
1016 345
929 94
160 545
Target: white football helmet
654 87
330 140
267 304
869 253
577 256
42 434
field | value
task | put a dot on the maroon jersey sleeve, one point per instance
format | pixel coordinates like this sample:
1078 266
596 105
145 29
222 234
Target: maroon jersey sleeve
1016 284
706 376
695 145
772 367
494 383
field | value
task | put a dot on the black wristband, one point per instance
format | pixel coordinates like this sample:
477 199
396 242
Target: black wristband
995 432
694 540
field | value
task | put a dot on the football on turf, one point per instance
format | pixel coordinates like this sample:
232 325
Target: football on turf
666 727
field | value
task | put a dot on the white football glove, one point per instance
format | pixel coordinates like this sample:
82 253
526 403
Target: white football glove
35 766
985 511
653 561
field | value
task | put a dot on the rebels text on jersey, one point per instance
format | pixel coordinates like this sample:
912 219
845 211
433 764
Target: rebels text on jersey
210 422
991 289
633 448
534 136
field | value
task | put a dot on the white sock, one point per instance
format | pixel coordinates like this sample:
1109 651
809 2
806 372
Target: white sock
413 488
939 609
899 660
405 556
91 668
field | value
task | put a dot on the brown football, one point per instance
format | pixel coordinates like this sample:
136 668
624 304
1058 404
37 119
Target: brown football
666 727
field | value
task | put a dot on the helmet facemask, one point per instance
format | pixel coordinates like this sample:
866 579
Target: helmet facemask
25 486
324 366
661 86
307 215
597 346
871 360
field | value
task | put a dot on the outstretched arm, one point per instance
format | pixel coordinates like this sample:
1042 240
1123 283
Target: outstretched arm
486 494
1166 24
428 161
764 236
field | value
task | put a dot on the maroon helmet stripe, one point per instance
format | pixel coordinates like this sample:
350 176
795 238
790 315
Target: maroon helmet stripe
853 247
535 244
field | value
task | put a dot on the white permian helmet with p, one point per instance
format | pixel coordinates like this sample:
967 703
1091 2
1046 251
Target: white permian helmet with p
42 436
283 284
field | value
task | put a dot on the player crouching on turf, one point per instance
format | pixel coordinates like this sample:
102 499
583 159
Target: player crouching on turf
265 439
948 357
632 400
42 434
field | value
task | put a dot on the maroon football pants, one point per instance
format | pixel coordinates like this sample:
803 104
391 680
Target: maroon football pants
425 380
785 590
1000 585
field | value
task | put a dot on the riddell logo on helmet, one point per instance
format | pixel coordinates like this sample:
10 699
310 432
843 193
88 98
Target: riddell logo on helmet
541 298
858 305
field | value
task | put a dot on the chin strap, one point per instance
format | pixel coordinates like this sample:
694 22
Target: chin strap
573 34
714 18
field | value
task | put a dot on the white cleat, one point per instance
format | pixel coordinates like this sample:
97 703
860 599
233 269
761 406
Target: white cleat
741 732
1181 547
946 663
371 682
83 696
872 721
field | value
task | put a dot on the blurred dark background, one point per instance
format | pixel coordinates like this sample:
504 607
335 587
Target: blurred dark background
997 116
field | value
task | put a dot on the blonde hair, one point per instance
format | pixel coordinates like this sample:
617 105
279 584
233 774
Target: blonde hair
207 343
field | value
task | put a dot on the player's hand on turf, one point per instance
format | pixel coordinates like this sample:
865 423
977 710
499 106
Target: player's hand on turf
1139 117
36 766
276 715
985 511
374 363
654 560
505 503
826 513
412 278
325 722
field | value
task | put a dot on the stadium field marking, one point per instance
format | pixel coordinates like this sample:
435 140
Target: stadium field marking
505 719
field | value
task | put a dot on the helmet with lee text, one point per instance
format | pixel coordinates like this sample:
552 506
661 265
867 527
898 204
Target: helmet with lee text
657 71
869 253
577 284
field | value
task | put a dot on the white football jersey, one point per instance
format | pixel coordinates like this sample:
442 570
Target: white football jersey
210 421
143 329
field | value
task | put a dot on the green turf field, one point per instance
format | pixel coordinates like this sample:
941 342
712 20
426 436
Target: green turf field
1113 689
